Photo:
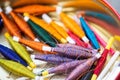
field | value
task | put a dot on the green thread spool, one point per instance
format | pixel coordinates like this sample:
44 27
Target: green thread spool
41 33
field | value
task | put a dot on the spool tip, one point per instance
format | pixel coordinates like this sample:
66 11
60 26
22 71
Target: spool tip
98 55
37 72
63 40
15 38
22 78
26 14
76 19
29 68
46 48
70 40
110 42
7 3
6 34
32 65
81 13
85 39
8 9
26 18
1 9
45 73
46 18
32 56
29 49
58 9
94 77
38 78
36 40
38 62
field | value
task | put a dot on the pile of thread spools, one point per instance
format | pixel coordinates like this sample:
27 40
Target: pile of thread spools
69 43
